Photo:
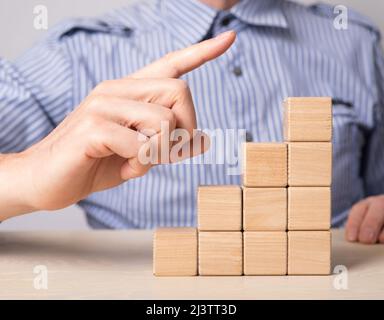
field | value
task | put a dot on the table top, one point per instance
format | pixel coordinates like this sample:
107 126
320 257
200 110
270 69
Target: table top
118 265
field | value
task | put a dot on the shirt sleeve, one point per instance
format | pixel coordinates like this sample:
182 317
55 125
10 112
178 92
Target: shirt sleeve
374 152
35 95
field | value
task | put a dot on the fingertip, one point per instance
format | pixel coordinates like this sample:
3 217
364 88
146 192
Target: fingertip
132 168
226 39
351 234
228 35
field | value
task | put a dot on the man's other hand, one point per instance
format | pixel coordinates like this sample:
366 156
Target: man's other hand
366 221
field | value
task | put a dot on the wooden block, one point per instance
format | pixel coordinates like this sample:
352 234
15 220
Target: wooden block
220 253
265 253
309 252
264 209
265 165
309 164
309 208
175 252
219 208
308 119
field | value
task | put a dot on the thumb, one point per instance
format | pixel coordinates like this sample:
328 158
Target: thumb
177 63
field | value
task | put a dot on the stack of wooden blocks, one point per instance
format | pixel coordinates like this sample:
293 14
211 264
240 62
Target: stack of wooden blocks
278 223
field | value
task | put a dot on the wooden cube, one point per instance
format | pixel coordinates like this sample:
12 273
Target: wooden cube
220 253
308 119
264 209
219 208
309 208
309 252
265 165
265 253
175 252
309 164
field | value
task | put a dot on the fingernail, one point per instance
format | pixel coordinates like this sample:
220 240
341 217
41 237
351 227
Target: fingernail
352 235
224 35
368 235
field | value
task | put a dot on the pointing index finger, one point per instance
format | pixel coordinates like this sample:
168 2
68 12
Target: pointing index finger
177 63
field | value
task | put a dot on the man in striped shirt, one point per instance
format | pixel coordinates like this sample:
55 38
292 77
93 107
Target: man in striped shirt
70 136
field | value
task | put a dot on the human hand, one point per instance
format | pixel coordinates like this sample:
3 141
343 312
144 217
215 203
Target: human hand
97 146
366 221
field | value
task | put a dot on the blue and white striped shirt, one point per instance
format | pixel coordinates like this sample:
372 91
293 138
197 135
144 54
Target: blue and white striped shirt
283 49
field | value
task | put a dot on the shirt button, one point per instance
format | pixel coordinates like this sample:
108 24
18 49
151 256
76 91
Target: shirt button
248 137
226 21
237 71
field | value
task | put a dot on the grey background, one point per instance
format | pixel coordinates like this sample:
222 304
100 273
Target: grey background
17 34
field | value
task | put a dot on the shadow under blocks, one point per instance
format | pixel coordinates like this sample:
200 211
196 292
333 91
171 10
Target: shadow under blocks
276 223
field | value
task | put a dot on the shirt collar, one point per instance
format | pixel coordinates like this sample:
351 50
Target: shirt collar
191 20
267 13
188 20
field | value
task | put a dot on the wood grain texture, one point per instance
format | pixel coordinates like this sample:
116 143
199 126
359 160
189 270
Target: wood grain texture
309 208
265 253
308 119
264 209
219 208
117 264
309 252
264 165
175 252
220 253
309 164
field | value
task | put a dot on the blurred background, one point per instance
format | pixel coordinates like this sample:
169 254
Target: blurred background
18 34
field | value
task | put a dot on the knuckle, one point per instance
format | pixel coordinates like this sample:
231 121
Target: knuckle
169 116
181 85
95 136
359 207
375 221
169 60
352 223
96 101
369 224
87 124
104 85
92 125
139 170
96 142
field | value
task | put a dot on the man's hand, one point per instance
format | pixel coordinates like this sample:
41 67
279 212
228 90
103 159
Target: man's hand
366 221
97 146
